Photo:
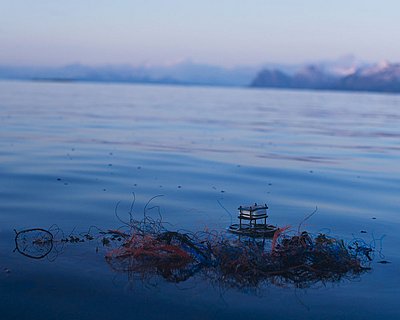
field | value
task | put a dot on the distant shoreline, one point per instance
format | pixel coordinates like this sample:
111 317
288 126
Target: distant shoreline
249 87
341 75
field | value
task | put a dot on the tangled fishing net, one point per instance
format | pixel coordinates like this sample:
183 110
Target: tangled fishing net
145 248
300 260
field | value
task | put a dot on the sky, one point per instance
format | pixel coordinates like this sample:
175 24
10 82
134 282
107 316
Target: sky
219 32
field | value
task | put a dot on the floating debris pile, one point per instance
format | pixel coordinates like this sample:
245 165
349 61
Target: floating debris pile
300 260
145 248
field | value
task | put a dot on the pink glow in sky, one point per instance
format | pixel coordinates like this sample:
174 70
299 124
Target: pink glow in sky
224 32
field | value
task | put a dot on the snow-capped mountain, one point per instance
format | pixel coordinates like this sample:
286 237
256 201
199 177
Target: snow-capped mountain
380 77
383 76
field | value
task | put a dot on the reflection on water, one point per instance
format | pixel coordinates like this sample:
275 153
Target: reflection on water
249 124
70 152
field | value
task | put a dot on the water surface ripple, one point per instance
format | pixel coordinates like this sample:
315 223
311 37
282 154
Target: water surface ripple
69 152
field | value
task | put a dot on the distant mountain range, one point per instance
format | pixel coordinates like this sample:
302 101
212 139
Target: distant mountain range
345 73
381 77
185 73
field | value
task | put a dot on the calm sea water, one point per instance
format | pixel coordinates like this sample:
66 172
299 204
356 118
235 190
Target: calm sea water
70 152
